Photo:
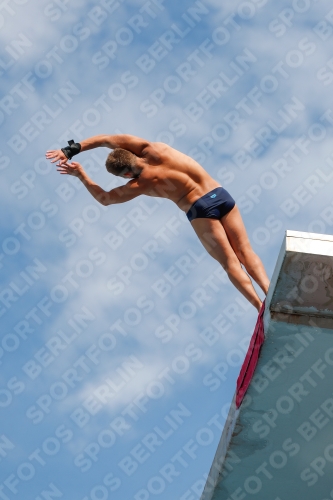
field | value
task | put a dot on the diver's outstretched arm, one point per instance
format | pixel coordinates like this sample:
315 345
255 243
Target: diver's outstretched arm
131 143
125 141
119 194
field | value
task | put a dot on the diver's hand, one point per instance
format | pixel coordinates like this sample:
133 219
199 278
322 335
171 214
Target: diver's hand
73 168
55 155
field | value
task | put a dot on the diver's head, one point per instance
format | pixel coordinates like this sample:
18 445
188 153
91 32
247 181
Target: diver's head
122 163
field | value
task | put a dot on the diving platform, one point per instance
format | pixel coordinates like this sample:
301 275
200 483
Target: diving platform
277 443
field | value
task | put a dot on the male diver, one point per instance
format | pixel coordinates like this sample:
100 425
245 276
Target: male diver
156 169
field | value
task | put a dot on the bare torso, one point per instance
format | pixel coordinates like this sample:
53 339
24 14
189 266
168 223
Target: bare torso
168 173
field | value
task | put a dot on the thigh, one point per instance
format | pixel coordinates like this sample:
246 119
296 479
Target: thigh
214 238
235 230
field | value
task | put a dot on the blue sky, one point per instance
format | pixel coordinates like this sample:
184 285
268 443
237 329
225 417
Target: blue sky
103 369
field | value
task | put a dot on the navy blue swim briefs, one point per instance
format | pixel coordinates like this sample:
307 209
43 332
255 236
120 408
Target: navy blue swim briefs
212 205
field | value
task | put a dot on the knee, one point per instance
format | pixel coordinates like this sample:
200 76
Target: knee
232 266
247 256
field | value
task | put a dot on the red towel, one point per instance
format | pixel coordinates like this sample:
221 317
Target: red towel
251 358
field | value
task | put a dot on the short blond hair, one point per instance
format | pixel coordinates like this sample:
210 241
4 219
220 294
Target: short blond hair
120 161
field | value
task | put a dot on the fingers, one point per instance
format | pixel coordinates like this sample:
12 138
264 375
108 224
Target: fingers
65 164
63 170
64 167
51 154
55 158
61 161
55 155
67 168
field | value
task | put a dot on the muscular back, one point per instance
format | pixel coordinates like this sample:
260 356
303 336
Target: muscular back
168 173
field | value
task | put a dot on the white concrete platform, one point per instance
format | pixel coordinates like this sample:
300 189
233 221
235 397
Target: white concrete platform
279 444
